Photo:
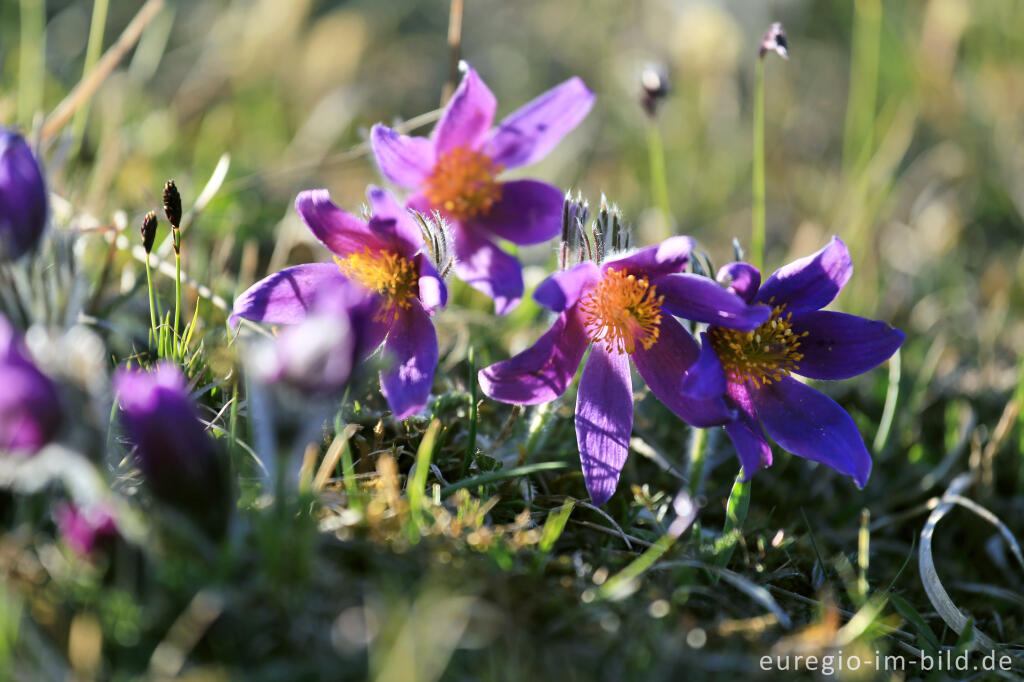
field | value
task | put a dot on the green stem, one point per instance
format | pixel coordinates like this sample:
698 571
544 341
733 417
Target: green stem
152 296
32 56
92 55
471 441
659 181
698 452
757 238
177 291
501 475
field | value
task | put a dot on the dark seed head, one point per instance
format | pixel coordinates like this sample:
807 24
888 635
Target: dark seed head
172 203
148 231
654 88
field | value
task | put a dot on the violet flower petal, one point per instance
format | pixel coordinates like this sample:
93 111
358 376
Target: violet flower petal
663 367
703 300
809 283
23 197
667 257
747 437
813 426
468 116
341 232
404 160
392 223
705 378
433 292
562 289
840 346
411 350
529 212
604 420
285 297
529 133
742 279
543 371
483 266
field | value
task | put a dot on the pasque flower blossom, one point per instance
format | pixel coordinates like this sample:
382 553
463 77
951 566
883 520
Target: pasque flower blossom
799 338
23 204
455 172
386 256
179 461
30 409
624 309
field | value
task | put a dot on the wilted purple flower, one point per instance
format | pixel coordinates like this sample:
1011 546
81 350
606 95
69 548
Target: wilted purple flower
30 410
86 530
23 202
798 338
178 459
387 256
456 171
624 308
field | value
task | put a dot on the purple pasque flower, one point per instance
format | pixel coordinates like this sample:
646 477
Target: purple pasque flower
622 309
86 530
23 201
180 462
799 338
386 256
455 172
30 409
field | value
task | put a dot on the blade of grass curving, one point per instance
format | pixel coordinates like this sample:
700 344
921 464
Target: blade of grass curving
502 475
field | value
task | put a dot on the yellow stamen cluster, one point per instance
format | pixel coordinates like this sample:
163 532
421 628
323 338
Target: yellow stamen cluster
763 355
463 183
622 310
385 272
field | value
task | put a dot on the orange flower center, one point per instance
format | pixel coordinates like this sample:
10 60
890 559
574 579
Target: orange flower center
385 272
763 355
463 183
621 311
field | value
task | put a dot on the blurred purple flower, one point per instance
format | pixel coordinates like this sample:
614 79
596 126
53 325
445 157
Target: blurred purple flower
626 308
86 530
386 256
30 409
456 170
23 201
798 338
179 461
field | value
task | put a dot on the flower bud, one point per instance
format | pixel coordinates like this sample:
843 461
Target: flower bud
774 40
172 204
653 88
23 201
87 531
148 231
179 461
30 410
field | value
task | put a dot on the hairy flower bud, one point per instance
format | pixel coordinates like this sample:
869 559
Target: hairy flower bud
148 231
654 88
180 462
774 40
23 201
172 204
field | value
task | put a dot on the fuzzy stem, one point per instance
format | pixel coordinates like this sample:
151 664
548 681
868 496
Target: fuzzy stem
471 441
757 234
659 182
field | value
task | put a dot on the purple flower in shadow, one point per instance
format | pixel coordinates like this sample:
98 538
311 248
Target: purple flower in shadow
387 258
23 201
799 338
455 172
625 309
30 409
179 461
86 530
